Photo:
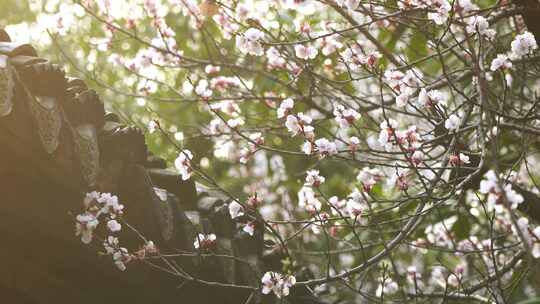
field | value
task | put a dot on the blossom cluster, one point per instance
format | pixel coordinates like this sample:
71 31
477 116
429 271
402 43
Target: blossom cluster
522 45
500 194
240 213
105 207
98 206
279 284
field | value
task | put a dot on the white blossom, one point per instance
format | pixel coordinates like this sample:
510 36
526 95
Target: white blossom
431 98
354 142
121 257
114 226
235 209
307 147
523 45
349 4
338 206
212 69
330 45
400 179
299 124
150 248
464 158
509 79
403 84
387 130
250 42
368 177
452 123
85 226
110 244
204 241
345 117
305 52
110 204
490 186
388 286
536 250
202 89
536 233
501 62
326 147
275 60
465 6
152 126
277 283
313 178
183 164
285 107
402 99
489 183
355 57
308 200
355 207
249 228
480 24
293 125
441 13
